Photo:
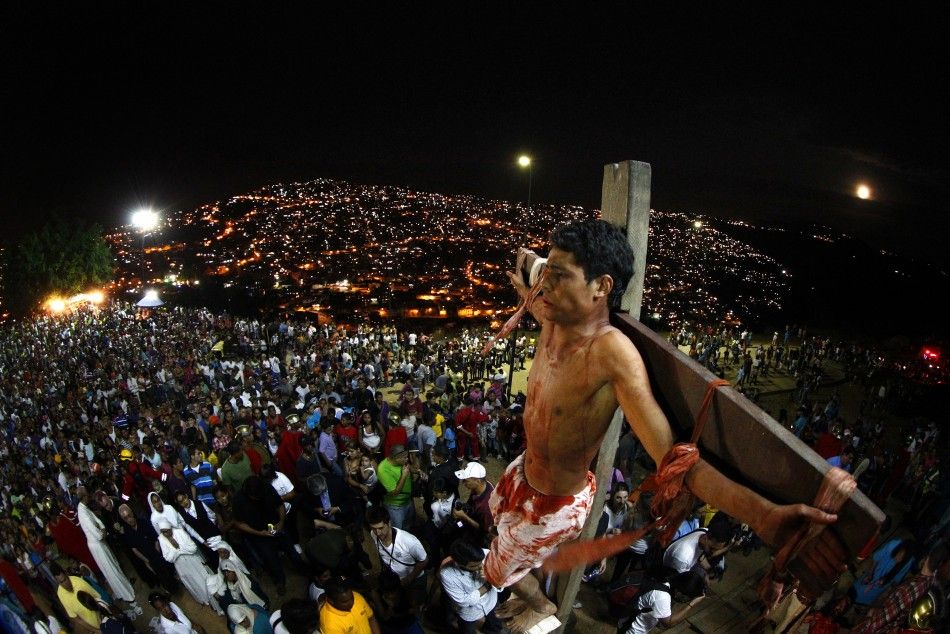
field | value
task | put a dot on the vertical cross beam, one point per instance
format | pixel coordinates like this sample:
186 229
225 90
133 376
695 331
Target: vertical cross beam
625 203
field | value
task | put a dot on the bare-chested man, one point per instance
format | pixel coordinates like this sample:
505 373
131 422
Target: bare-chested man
584 368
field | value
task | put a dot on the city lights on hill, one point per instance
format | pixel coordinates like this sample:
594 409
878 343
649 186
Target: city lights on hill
392 252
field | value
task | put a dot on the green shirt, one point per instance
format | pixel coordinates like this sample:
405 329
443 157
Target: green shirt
235 473
389 475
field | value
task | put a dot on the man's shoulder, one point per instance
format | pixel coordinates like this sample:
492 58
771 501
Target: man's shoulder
611 338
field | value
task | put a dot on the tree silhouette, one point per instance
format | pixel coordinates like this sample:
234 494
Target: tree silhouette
59 258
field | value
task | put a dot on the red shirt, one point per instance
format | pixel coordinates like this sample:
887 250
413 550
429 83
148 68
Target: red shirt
395 435
469 418
12 577
255 459
343 432
828 446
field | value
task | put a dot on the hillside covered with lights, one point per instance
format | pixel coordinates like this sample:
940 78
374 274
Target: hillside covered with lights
369 251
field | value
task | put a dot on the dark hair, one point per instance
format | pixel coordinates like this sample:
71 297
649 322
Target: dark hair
158 596
692 583
300 616
599 248
337 587
89 602
254 487
233 447
377 515
55 569
620 486
720 528
439 484
463 552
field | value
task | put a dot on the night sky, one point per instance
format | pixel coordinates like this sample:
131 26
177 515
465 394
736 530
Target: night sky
774 116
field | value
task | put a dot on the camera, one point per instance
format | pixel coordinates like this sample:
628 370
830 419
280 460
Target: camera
529 265
458 505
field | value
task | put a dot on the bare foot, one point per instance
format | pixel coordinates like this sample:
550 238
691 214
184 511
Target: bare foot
511 607
521 623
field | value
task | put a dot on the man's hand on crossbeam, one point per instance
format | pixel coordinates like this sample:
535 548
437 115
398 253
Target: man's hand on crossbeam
824 557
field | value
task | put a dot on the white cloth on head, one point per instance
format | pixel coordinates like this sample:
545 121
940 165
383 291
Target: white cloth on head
168 512
217 544
237 613
241 589
95 532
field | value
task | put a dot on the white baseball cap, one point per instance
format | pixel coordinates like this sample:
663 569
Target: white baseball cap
471 470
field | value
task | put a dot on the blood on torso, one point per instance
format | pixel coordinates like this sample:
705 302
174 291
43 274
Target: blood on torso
568 410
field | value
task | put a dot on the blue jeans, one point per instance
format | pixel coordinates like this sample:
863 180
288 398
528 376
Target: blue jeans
401 517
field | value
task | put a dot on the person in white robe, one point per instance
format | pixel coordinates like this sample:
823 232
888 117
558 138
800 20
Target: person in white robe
180 549
160 510
171 618
95 532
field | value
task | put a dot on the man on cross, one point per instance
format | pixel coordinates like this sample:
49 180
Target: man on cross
583 369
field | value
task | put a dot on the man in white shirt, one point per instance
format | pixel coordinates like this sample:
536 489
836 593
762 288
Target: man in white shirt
473 598
700 547
401 552
654 604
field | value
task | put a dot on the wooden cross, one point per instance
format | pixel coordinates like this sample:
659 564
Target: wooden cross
739 439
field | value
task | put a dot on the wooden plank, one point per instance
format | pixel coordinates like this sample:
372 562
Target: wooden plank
625 203
742 440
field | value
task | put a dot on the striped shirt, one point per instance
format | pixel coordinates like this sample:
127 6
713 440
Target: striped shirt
200 478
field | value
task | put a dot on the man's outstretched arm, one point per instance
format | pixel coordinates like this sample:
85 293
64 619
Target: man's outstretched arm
773 523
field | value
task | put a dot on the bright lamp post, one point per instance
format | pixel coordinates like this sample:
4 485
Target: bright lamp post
144 220
524 162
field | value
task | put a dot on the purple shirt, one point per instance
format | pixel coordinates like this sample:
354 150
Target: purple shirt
327 446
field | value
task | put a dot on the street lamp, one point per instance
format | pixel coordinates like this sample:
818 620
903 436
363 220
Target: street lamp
144 220
524 161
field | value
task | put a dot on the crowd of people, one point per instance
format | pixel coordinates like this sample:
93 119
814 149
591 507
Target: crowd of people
183 453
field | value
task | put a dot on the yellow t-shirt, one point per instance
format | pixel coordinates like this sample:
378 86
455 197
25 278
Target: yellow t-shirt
356 621
72 605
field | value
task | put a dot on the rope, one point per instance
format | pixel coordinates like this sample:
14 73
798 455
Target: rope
672 501
513 321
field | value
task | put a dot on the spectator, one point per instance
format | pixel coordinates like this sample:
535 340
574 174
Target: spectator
400 553
171 617
473 599
179 549
395 478
346 611
260 514
476 514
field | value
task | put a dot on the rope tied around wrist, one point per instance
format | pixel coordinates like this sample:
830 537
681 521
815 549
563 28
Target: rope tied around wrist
672 501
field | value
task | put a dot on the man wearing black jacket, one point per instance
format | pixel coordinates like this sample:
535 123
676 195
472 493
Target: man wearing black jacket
444 466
